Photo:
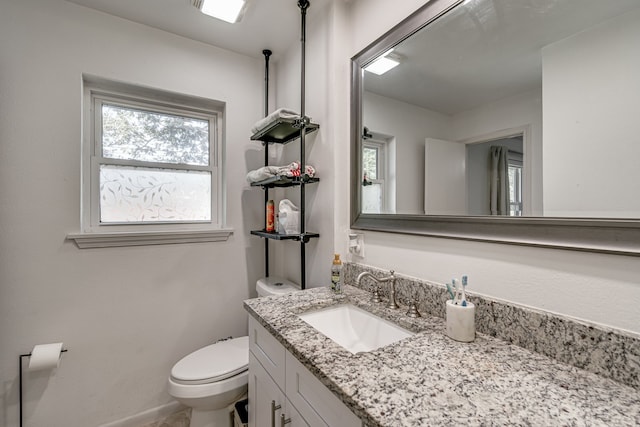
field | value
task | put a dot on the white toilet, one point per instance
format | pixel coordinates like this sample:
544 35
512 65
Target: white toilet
211 379
274 286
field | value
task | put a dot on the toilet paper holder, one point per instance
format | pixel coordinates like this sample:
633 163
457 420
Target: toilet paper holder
20 359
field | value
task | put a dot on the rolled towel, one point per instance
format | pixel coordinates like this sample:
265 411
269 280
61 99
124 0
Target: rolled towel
280 113
291 170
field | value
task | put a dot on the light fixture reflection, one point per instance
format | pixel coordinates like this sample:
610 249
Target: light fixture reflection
383 63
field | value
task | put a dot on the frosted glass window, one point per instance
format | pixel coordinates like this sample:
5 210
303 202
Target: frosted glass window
137 194
372 198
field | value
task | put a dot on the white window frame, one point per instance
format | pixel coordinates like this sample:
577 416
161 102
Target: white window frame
381 166
96 234
381 169
383 145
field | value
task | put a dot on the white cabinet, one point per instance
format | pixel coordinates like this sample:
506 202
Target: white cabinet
292 417
282 390
267 350
266 400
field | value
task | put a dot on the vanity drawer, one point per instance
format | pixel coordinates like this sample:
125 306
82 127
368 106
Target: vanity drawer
268 351
317 405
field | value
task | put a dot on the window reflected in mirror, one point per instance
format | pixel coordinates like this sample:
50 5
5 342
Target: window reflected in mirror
378 189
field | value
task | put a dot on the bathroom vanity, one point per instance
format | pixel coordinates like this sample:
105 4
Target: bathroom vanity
281 388
425 379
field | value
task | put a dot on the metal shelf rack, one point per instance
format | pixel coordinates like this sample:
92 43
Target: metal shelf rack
284 131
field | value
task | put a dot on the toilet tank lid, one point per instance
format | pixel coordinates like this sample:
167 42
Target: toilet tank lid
214 362
275 286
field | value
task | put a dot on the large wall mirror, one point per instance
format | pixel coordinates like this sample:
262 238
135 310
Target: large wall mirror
513 121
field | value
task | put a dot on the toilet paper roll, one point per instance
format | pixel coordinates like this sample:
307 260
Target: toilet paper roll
45 356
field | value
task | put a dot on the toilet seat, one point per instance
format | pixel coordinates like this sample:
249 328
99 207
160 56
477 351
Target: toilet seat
214 363
204 391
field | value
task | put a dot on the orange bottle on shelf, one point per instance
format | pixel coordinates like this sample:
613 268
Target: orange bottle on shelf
270 217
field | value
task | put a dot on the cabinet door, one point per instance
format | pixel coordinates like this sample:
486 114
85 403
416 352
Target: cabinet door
445 177
267 350
263 392
292 417
319 406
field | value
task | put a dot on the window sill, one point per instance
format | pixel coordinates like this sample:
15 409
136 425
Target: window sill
127 238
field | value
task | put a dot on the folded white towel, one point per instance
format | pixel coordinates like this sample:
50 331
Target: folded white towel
263 173
280 113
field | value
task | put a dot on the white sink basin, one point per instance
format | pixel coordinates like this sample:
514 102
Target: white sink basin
354 329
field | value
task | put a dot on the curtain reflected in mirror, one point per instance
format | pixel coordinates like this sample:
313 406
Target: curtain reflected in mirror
499 179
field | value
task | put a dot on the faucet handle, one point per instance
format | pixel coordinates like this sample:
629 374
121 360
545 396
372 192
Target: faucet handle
413 309
375 295
392 292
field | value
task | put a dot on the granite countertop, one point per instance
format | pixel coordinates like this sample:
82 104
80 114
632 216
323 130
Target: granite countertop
430 379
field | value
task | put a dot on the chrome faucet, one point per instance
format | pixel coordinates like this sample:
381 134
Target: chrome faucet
376 297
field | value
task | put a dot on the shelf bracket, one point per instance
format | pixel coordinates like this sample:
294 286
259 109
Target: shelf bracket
301 122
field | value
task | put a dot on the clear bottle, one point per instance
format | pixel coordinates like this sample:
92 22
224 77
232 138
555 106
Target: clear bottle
336 274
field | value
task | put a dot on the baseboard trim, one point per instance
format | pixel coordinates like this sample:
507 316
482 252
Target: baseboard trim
143 418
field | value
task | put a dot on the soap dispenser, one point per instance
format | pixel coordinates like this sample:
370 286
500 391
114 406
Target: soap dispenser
336 274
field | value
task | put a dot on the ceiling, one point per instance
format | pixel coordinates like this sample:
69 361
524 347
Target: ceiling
266 24
480 52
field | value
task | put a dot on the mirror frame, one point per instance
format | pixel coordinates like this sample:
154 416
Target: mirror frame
600 235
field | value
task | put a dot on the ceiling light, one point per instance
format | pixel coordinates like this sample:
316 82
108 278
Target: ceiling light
383 63
227 10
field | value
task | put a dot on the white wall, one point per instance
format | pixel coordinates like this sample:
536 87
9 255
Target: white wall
582 285
125 314
590 90
410 125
